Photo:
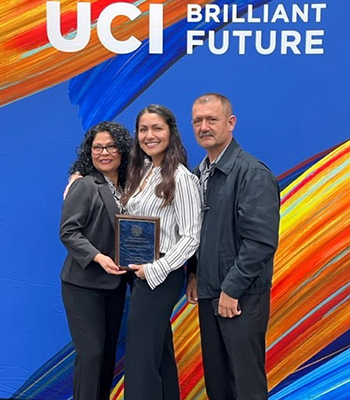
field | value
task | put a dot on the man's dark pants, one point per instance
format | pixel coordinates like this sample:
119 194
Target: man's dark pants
234 349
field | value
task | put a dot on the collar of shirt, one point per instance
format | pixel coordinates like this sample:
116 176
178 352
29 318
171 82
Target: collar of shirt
116 191
147 166
206 165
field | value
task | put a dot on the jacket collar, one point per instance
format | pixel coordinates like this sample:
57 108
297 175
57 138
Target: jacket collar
106 195
98 177
228 159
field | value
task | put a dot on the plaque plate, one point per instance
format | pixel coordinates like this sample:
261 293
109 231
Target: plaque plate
136 239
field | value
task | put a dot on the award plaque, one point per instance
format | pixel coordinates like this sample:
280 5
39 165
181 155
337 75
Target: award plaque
136 239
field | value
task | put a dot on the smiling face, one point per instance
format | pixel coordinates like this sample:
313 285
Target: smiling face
153 135
108 161
213 126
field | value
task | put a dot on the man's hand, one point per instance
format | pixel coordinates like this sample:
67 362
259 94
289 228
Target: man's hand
138 269
71 179
228 306
191 290
108 264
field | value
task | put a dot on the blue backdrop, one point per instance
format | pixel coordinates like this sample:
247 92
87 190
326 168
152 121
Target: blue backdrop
289 108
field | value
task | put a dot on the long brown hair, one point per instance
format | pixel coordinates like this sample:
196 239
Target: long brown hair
174 155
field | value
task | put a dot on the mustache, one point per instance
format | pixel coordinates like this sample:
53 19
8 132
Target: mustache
205 134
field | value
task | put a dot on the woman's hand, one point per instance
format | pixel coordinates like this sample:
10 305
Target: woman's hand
138 269
108 264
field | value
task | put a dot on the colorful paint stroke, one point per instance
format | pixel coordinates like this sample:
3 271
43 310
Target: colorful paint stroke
291 175
32 64
329 382
312 278
133 74
308 340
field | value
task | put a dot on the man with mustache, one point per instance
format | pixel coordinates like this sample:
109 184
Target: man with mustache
231 276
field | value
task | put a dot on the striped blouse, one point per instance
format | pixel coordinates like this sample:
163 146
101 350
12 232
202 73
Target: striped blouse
180 221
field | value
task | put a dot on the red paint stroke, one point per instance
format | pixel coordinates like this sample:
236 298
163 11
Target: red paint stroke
190 377
178 313
314 174
118 392
278 352
311 263
308 161
31 3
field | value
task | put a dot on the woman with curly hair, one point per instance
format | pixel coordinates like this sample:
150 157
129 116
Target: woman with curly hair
158 185
93 287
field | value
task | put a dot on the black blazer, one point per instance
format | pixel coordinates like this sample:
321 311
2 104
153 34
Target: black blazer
86 229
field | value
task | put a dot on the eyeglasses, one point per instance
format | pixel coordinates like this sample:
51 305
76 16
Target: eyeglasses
210 120
111 148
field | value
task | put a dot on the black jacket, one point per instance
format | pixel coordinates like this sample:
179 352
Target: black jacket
87 228
239 233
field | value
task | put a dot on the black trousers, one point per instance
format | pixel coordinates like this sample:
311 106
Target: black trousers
150 366
234 349
94 318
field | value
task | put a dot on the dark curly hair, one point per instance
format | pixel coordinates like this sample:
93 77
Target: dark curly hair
174 155
123 141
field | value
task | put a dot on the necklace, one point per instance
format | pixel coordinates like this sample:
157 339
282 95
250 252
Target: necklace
148 177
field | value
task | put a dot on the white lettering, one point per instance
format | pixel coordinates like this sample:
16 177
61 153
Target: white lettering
242 35
280 13
225 43
235 17
303 14
211 12
104 28
250 14
194 13
53 27
191 42
292 44
266 13
225 13
310 42
156 28
319 8
258 43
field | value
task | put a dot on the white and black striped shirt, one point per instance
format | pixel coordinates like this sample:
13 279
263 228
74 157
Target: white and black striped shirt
180 221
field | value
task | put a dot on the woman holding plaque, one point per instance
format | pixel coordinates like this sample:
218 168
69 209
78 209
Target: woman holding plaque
93 287
158 185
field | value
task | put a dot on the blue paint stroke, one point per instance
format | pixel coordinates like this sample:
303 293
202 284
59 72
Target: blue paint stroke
107 89
328 382
323 356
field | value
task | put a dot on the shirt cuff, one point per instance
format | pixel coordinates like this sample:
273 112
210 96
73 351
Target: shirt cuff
156 272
